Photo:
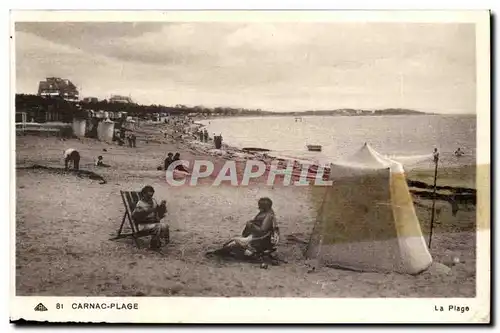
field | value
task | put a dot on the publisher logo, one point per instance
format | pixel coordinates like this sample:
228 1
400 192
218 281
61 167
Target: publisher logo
40 307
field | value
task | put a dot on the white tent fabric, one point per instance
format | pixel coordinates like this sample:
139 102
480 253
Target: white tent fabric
367 220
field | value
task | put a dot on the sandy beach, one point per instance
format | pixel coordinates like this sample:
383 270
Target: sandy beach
64 222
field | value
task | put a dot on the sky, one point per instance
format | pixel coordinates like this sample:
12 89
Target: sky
276 67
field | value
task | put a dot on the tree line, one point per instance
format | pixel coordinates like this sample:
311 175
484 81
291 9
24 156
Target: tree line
26 102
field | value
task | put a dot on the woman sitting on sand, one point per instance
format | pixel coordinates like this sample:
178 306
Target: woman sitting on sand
259 234
148 214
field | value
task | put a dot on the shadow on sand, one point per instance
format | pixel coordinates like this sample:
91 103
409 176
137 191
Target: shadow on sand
62 171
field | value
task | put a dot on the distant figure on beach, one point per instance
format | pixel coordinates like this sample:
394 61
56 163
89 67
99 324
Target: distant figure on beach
435 155
205 135
168 160
72 155
100 162
218 141
133 139
459 152
180 167
148 214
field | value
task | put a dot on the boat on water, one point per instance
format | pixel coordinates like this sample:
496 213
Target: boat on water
314 147
255 149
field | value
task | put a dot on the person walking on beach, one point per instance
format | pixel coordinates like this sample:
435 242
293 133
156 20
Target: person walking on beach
205 135
133 139
218 141
148 214
71 155
435 155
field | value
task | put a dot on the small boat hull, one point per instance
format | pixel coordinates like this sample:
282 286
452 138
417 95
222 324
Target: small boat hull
314 147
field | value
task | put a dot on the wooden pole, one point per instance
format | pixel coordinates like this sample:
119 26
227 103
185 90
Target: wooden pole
436 160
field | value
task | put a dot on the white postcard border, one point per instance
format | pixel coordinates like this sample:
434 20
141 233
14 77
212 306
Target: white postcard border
282 310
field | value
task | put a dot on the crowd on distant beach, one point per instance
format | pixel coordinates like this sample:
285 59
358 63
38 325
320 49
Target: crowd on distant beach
202 135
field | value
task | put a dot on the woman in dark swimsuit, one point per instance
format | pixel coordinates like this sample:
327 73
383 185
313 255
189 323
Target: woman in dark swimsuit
261 227
259 234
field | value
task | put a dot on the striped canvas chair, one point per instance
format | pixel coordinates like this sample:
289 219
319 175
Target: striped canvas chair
130 199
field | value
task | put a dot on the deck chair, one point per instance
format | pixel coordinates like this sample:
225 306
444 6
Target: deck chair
130 199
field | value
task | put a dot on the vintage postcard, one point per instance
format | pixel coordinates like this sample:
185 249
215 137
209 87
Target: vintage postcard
250 166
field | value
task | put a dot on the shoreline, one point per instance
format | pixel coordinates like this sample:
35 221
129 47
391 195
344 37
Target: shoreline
228 152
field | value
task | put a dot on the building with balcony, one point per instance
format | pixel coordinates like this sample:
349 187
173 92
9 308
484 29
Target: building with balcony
120 99
90 100
57 87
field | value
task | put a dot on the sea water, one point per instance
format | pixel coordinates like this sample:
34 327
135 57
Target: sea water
408 138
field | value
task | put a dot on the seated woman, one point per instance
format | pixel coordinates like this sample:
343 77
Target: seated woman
148 214
259 234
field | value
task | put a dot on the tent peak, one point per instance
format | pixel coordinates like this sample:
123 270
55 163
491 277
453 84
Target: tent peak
367 157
